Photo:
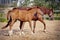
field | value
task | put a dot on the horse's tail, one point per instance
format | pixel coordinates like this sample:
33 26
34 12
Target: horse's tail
8 18
8 15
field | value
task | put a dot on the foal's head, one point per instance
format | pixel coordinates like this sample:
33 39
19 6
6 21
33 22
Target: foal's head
51 14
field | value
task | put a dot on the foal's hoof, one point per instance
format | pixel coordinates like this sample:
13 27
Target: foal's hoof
10 33
44 31
21 33
32 33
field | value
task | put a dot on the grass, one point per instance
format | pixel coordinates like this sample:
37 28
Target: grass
55 18
1 14
3 20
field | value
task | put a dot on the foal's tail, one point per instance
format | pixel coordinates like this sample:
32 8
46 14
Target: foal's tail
8 15
8 18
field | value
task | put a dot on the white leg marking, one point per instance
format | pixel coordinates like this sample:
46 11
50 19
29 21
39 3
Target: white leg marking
20 33
45 30
23 33
10 32
32 33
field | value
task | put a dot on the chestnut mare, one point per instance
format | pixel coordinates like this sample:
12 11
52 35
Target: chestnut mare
24 15
48 11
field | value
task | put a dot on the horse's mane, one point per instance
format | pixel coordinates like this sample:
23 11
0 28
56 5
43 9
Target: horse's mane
20 8
25 8
14 8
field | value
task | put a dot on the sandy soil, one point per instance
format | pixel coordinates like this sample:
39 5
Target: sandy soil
52 31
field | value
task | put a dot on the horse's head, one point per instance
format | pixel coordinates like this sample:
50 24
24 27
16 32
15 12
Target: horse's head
51 14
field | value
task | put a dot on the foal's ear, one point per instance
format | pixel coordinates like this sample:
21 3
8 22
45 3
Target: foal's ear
29 9
14 8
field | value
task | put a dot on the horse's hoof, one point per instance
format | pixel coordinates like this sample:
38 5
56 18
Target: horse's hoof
23 33
10 33
44 31
20 33
32 33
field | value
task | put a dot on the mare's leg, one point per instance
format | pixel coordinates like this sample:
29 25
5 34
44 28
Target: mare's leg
34 26
10 25
41 20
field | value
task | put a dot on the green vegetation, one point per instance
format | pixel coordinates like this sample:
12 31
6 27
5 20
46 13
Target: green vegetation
1 14
2 19
55 18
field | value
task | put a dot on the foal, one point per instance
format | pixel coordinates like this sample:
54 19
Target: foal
24 16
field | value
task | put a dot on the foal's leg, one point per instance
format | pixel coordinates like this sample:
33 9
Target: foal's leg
34 26
30 26
44 25
41 20
21 23
7 24
11 24
21 26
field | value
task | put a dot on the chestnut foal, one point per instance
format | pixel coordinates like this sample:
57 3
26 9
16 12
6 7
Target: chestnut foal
24 15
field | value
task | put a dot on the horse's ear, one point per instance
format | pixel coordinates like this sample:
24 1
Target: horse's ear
14 8
51 9
29 9
38 7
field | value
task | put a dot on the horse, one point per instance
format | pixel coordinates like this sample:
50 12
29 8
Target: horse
48 11
24 15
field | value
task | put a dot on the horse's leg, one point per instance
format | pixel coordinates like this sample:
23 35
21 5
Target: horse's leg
21 27
21 22
30 26
41 20
44 24
34 26
11 24
7 24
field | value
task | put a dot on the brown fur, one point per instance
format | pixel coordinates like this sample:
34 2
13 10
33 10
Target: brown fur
24 16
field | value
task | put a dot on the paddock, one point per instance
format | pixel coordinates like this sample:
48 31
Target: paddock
52 31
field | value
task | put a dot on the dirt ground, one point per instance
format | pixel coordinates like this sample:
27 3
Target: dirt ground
52 31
